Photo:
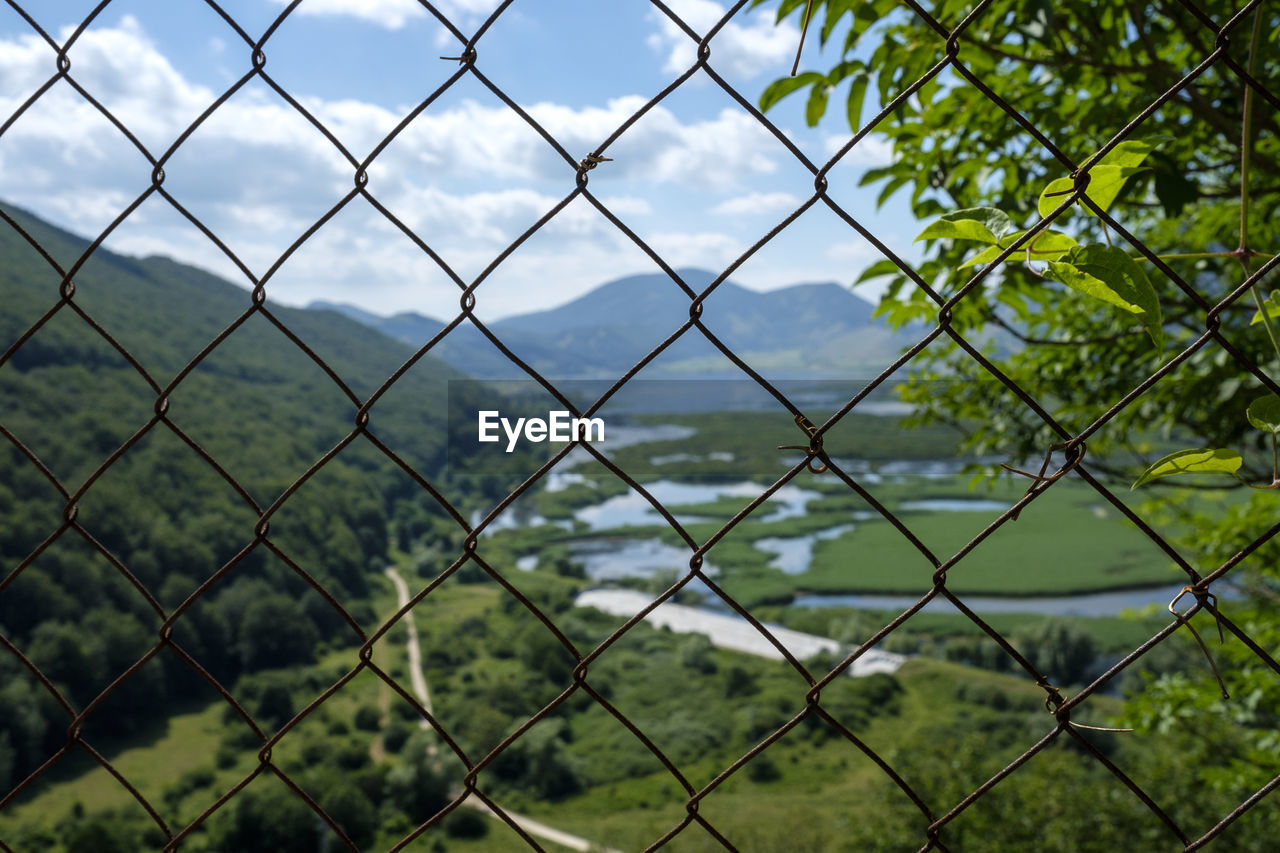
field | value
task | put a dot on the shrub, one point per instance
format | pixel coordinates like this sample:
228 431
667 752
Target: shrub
368 719
466 823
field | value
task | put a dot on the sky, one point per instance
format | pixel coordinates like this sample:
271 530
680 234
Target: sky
697 177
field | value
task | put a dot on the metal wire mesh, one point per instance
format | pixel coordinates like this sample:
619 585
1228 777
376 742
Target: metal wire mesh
578 171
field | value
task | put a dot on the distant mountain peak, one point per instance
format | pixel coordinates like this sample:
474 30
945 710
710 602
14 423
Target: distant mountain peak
815 329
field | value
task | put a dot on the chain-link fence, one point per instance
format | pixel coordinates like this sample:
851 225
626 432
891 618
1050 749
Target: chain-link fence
468 790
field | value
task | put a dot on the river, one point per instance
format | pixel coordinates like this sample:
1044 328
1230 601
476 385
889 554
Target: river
612 555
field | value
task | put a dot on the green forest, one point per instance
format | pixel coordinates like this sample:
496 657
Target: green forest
141 584
253 600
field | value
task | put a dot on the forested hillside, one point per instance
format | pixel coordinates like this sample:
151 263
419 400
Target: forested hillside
87 582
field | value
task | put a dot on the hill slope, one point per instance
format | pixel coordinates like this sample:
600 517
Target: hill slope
803 331
176 503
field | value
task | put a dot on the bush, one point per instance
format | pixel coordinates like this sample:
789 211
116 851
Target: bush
274 707
1058 648
368 719
351 755
466 823
394 736
187 783
762 768
227 755
695 652
739 682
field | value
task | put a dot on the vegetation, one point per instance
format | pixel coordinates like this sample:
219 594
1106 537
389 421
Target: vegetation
160 520
1122 242
163 516
258 407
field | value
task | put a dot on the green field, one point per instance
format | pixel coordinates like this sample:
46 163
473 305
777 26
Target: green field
491 665
1068 540
810 786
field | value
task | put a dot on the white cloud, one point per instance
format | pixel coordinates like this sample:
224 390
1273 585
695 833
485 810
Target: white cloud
392 14
624 205
853 249
871 150
756 203
121 68
748 46
705 249
467 176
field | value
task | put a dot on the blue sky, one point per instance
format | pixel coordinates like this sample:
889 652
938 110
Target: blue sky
697 177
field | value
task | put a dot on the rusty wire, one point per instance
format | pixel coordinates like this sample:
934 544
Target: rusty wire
935 816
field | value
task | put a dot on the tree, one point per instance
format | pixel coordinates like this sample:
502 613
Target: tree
417 786
1057 647
539 763
105 833
349 807
1078 73
1128 128
275 632
69 658
269 817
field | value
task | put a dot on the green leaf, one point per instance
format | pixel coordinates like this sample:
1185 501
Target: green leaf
857 94
1105 183
785 8
817 104
1106 178
1132 152
1201 460
1174 190
1272 304
836 9
779 89
877 270
1049 246
1264 413
890 188
1107 273
984 224
1036 20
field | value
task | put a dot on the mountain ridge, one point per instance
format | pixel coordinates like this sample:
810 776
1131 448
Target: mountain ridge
810 330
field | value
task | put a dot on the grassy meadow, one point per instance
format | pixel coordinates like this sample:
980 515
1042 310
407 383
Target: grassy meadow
491 665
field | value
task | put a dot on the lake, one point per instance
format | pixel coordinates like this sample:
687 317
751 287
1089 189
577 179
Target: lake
620 556
1112 603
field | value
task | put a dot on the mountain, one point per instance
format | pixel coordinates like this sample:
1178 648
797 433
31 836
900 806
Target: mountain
806 330
163 313
164 454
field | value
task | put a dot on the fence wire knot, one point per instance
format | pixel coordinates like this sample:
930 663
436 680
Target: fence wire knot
1209 601
812 450
592 160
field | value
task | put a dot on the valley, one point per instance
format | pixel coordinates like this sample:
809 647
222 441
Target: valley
196 543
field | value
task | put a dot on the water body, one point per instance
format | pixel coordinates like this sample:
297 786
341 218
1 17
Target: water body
615 559
728 630
956 505
1111 603
672 458
792 555
633 510
516 516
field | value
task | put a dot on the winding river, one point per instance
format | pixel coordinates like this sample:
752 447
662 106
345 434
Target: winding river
612 558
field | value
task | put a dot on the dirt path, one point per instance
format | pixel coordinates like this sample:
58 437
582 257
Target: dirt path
416 679
419 684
